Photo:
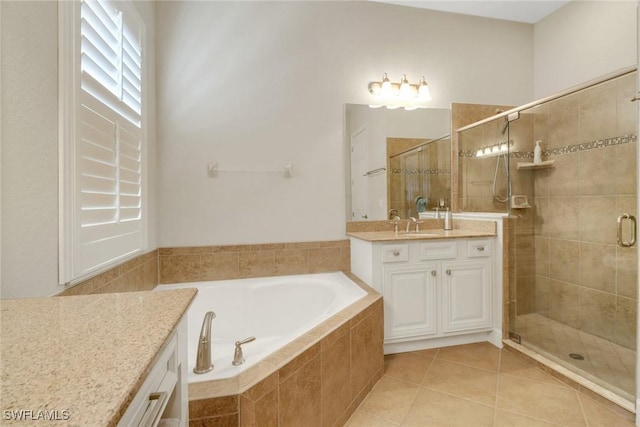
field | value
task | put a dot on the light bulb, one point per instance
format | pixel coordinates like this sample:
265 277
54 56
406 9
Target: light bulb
495 149
386 89
405 88
479 153
411 107
423 90
487 151
504 148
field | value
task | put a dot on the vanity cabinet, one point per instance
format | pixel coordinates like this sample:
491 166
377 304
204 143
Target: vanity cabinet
435 293
163 394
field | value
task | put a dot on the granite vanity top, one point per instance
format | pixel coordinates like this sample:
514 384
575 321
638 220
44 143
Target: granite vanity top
81 359
430 229
389 236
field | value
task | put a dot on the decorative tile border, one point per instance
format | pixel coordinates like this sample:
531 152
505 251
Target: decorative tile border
417 171
567 149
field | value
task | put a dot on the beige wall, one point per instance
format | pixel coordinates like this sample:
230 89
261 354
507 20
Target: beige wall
269 86
582 41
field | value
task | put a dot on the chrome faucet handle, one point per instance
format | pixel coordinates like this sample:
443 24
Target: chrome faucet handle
238 357
203 356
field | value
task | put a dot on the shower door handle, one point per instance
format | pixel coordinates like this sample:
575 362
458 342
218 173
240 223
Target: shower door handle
634 227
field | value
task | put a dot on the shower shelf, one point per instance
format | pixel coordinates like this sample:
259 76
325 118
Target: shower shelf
535 166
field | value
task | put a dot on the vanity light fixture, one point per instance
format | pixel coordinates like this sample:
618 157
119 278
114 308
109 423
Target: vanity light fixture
402 94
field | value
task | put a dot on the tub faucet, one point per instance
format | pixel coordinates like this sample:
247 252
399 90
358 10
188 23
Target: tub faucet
203 357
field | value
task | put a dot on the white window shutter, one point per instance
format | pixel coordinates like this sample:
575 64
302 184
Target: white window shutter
106 203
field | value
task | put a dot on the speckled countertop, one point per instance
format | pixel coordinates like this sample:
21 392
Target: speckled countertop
389 236
81 358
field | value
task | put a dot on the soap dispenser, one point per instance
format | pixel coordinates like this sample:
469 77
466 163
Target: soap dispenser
537 153
447 220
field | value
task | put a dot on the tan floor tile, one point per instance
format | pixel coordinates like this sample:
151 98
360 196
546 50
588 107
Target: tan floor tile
480 355
437 409
544 401
390 399
427 353
510 364
407 366
599 416
363 419
509 419
470 383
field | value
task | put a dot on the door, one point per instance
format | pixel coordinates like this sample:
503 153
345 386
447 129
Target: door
359 167
410 293
466 295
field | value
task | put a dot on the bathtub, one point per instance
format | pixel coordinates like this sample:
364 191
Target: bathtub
275 310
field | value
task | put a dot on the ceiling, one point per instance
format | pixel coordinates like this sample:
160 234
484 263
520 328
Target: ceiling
529 11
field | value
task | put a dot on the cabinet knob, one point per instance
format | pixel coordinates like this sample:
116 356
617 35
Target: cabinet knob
480 248
448 272
433 273
396 253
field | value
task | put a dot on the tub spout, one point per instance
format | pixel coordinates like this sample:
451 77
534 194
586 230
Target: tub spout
203 357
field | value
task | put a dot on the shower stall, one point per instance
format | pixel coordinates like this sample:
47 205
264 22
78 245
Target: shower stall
573 285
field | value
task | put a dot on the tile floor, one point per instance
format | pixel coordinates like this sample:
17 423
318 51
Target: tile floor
476 385
605 363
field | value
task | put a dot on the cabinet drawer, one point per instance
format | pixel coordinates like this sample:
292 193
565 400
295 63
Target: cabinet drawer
479 248
395 253
438 250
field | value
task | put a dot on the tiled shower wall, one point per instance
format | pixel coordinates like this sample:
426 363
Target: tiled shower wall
578 274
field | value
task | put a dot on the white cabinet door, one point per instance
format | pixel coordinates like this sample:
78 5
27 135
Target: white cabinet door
410 295
466 295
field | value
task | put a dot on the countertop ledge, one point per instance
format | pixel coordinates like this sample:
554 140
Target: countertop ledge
392 236
81 359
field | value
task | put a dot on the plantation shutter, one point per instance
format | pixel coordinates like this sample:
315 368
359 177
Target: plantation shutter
107 174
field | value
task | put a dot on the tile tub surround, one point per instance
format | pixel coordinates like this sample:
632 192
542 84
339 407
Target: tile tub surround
317 380
194 264
87 354
137 274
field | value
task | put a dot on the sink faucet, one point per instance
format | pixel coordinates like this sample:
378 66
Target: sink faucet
409 221
203 357
396 220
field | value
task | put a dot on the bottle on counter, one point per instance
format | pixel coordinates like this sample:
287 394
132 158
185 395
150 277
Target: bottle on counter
448 224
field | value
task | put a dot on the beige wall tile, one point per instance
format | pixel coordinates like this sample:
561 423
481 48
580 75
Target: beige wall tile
598 266
598 112
180 268
336 369
625 171
542 295
560 219
294 261
325 259
626 314
564 258
563 122
597 219
366 354
564 303
299 397
597 171
627 271
219 266
596 311
257 264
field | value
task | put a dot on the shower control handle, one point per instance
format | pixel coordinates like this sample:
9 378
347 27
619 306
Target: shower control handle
634 226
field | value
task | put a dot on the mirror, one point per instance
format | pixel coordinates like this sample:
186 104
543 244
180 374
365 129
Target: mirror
397 161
